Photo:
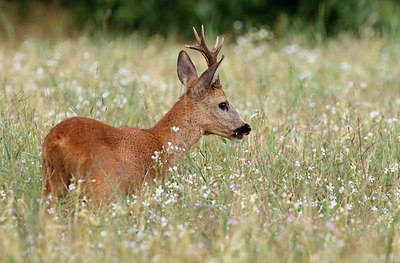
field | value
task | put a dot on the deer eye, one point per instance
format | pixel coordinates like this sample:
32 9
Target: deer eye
223 106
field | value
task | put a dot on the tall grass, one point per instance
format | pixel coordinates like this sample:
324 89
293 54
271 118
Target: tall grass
316 181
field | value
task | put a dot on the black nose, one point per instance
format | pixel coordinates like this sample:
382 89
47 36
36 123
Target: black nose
245 129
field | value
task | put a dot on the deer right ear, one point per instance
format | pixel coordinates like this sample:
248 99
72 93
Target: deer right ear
186 70
210 76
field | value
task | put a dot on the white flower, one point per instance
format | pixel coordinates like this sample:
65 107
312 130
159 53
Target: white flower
175 129
291 49
373 114
155 156
86 55
345 66
254 115
332 204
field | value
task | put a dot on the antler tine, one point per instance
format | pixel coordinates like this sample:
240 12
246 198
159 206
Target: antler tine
203 38
196 35
201 45
210 56
216 43
217 46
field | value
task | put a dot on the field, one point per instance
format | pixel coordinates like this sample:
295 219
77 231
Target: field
317 180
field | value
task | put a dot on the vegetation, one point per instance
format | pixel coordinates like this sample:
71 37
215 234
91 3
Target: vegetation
317 180
327 17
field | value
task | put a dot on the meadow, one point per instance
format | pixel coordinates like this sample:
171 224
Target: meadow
317 180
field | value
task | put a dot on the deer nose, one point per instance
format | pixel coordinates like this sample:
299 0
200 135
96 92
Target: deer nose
245 129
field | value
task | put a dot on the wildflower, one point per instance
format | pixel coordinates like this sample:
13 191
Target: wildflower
289 218
237 25
350 84
86 55
155 156
332 204
323 151
233 222
330 225
305 75
164 221
345 66
292 49
145 78
374 114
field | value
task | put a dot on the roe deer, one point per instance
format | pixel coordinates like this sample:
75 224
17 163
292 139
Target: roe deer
107 160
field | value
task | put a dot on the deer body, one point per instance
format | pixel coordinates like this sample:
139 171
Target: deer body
108 160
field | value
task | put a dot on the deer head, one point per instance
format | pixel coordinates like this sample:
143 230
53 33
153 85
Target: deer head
212 109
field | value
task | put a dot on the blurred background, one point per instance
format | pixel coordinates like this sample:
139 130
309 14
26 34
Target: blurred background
322 18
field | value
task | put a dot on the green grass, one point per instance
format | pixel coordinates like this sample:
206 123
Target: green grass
317 180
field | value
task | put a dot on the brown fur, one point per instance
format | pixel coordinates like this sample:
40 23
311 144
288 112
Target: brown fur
106 160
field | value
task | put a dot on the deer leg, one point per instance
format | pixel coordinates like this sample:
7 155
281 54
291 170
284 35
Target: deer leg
56 184
102 182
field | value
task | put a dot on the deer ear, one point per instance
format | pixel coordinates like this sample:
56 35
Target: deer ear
210 76
186 70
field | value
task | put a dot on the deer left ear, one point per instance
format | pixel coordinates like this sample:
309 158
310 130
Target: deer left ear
186 70
210 76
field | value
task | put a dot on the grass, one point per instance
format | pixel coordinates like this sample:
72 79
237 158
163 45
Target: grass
316 181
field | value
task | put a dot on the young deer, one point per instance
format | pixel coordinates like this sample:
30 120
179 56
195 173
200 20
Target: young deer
108 160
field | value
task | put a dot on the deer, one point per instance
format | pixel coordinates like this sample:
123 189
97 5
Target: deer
109 160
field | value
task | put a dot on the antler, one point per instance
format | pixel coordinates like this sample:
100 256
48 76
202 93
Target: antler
209 55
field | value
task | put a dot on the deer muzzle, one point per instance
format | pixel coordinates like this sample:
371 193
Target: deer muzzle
239 132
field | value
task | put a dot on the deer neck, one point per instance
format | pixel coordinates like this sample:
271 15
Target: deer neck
179 128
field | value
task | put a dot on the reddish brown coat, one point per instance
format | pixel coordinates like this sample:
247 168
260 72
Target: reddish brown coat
105 160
